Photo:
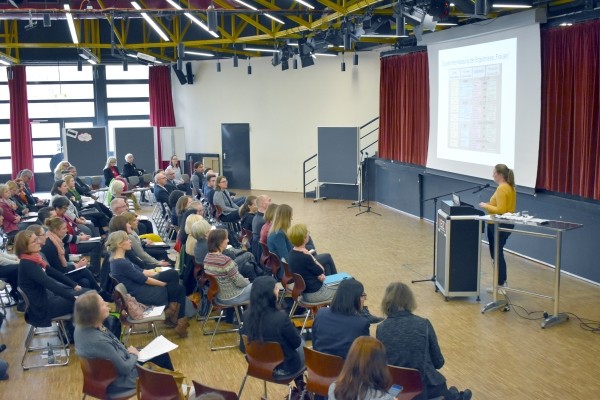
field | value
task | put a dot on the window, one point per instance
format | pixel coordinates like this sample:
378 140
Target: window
60 91
61 73
134 71
129 108
127 90
61 110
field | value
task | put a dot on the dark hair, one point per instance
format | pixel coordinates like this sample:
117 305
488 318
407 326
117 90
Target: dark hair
246 207
347 297
44 213
55 187
365 369
181 204
174 197
60 202
197 164
262 301
118 223
35 228
215 238
218 181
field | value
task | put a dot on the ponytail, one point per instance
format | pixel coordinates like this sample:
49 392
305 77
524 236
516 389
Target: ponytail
507 173
511 178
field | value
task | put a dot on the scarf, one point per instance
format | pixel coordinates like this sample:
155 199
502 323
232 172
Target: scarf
75 194
114 172
36 258
59 247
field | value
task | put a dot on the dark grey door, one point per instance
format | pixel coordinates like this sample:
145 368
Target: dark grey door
235 141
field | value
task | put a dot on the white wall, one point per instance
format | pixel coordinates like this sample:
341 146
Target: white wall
283 108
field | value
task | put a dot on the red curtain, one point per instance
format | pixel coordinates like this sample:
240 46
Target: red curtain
404 108
570 127
161 101
20 128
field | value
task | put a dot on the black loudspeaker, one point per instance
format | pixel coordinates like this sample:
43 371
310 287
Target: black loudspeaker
188 71
180 75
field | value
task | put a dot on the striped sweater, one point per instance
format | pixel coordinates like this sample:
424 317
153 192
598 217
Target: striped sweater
231 282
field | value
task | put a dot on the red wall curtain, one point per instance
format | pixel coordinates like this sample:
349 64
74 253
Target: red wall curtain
161 101
404 108
570 127
20 128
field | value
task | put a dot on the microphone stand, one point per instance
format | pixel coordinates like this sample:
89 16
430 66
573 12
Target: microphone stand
435 199
368 210
359 180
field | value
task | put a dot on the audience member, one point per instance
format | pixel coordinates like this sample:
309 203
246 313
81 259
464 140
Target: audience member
209 187
233 287
161 193
82 188
268 217
93 340
248 212
11 218
175 166
60 189
111 171
262 202
60 169
335 328
148 286
365 374
410 342
157 252
130 169
197 180
21 209
93 212
33 202
9 265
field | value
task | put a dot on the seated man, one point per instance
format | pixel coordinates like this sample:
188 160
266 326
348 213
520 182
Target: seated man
172 183
161 193
33 203
209 189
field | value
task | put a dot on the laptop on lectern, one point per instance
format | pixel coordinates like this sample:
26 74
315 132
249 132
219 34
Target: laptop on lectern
456 199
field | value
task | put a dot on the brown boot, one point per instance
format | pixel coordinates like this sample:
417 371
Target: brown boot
172 313
181 328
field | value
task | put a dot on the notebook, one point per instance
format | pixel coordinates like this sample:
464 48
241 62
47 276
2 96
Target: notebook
335 279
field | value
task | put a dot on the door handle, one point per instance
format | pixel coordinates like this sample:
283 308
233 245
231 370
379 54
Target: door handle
224 156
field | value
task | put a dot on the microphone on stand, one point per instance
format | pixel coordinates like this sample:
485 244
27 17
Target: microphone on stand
487 185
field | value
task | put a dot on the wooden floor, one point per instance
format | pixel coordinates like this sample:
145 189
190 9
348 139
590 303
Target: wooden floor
497 355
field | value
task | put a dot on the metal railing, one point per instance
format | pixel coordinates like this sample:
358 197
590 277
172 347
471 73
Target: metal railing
307 171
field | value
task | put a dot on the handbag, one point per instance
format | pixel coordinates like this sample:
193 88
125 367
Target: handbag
135 309
178 376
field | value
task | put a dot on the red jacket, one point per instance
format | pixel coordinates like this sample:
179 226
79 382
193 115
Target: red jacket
10 218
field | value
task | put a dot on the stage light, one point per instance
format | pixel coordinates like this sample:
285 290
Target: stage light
151 22
235 60
125 65
218 66
355 59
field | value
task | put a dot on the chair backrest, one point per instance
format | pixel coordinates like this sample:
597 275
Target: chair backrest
24 297
201 389
273 264
154 385
265 254
185 178
96 181
299 286
262 358
218 211
408 378
288 277
322 370
119 295
133 181
147 178
98 374
213 287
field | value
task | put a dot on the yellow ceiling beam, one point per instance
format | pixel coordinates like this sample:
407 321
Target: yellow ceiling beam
246 18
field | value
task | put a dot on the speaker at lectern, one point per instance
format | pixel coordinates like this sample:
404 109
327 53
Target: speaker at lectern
458 247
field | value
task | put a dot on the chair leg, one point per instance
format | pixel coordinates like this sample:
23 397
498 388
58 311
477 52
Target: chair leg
210 309
242 387
265 384
305 320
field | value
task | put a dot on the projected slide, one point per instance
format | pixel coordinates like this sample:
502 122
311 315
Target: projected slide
476 110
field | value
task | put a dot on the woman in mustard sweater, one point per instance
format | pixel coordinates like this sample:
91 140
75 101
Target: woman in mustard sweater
502 201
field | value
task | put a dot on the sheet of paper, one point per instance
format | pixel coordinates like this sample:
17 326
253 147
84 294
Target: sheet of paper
70 272
158 346
94 239
157 244
154 311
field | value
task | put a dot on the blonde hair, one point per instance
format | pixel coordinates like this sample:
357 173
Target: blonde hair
191 220
115 185
3 188
12 185
54 223
200 229
507 173
109 160
114 240
282 219
297 233
398 297
270 212
68 178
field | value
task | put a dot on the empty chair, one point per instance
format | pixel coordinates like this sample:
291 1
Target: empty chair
98 374
154 385
201 389
322 370
262 359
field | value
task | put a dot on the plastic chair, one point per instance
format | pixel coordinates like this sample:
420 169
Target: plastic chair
322 370
265 254
98 374
201 389
213 290
409 379
60 333
119 295
154 385
262 359
273 264
311 308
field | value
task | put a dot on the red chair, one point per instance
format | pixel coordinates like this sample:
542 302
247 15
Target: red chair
201 389
273 264
322 370
98 374
154 385
262 359
409 379
311 308
265 254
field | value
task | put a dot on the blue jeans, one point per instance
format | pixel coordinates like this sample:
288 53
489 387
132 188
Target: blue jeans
503 236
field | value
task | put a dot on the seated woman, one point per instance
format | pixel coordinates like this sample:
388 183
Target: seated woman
183 203
264 322
302 262
95 209
60 169
111 171
116 188
200 231
269 215
50 293
148 286
233 287
336 327
222 198
57 255
22 208
174 197
410 342
365 374
93 340
279 244
190 242
9 268
78 242
121 223
11 218
157 252
247 212
60 189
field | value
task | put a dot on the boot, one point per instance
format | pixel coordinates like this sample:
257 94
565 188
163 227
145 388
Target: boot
172 313
181 328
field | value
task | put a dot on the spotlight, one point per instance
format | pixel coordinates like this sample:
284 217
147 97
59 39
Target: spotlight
249 69
235 60
276 59
355 59
180 63
212 17
180 75
125 65
295 63
80 65
218 66
343 66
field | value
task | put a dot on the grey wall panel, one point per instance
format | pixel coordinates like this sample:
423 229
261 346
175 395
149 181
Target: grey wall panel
141 142
87 149
395 186
337 155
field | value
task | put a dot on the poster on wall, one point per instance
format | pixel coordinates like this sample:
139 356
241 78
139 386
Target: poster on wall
86 148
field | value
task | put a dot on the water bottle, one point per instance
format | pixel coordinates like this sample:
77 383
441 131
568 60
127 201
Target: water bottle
51 358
